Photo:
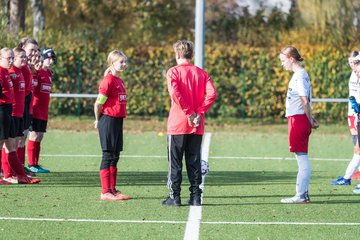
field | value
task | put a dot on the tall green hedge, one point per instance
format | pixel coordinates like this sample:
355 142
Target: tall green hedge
250 81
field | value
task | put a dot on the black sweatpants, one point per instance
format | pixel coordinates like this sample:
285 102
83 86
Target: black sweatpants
111 140
190 144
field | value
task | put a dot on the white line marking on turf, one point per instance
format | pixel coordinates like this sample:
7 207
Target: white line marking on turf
89 220
176 222
192 229
286 223
213 157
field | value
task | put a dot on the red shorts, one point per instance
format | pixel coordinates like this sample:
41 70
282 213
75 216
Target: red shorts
352 123
299 130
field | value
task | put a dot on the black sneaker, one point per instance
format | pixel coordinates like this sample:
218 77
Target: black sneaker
172 201
194 201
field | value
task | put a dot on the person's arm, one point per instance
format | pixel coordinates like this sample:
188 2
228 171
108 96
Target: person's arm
177 96
210 96
101 99
307 110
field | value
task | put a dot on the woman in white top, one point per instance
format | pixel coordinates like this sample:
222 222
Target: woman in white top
354 90
300 120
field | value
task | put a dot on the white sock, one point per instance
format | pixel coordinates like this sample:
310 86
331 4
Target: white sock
353 165
304 173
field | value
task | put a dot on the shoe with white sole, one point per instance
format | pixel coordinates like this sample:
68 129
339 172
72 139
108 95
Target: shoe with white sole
304 198
11 179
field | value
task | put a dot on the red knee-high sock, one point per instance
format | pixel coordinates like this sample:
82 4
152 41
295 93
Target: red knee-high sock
5 163
113 175
21 154
15 165
37 152
31 153
105 180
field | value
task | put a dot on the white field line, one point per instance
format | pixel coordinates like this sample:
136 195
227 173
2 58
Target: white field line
192 229
176 222
213 157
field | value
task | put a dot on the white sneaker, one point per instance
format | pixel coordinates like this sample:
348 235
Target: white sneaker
295 199
13 180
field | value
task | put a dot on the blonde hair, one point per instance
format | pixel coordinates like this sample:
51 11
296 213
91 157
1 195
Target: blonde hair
5 50
112 57
184 48
291 51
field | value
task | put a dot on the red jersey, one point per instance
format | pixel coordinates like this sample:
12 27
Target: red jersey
19 91
41 98
113 88
27 74
7 87
191 91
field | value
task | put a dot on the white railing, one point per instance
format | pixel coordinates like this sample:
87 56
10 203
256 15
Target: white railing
85 95
73 95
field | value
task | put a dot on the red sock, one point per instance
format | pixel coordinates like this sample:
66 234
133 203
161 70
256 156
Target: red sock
31 153
113 174
5 163
21 154
37 152
105 180
15 165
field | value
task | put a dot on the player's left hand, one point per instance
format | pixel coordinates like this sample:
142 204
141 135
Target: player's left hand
197 120
191 119
314 123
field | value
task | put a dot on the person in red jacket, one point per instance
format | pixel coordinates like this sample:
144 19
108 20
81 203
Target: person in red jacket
41 102
17 109
31 48
110 111
7 125
192 94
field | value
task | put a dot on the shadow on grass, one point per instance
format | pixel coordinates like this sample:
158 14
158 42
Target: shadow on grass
91 179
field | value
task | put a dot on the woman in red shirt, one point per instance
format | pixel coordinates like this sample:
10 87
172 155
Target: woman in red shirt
41 102
18 84
110 111
7 125
31 48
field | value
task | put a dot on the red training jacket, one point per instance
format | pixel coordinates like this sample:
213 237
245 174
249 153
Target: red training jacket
191 91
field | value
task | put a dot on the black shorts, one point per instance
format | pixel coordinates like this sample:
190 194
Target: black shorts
38 125
111 133
27 117
19 126
7 125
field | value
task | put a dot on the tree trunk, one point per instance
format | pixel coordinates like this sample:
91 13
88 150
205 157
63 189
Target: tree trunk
6 6
356 15
39 19
17 16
